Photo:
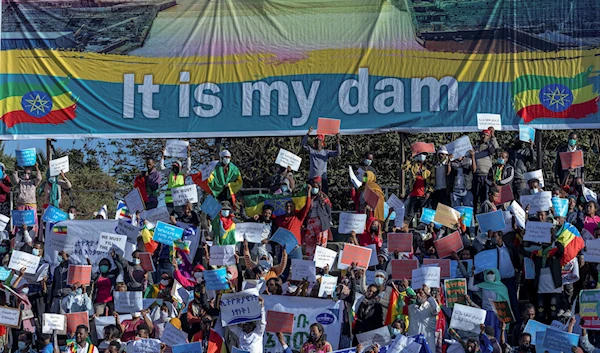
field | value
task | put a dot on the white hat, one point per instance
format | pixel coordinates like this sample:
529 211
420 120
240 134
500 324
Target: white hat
103 212
225 153
442 150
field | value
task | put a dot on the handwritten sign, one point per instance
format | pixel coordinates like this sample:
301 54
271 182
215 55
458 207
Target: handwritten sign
156 214
53 322
456 289
353 178
503 311
428 216
460 147
493 221
571 160
129 230
240 307
26 157
211 207
222 255
20 259
518 212
357 254
81 274
59 165
443 264
286 159
538 232
485 260
526 133
250 231
134 201
166 233
328 284
561 206
446 215
173 336
10 317
380 336
327 126
487 120
542 201
402 269
560 340
148 345
76 319
26 217
398 206
324 257
3 222
505 194
195 347
429 276
401 242
448 244
280 322
54 215
184 194
128 302
588 309
207 169
176 148
421 147
216 279
536 174
467 318
352 222
109 241
284 237
303 269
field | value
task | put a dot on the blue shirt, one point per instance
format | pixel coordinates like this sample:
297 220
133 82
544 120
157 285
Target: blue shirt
48 349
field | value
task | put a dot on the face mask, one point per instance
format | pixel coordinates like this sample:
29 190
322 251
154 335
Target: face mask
284 188
470 350
335 295
198 276
25 290
164 315
421 158
379 281
229 276
493 241
226 161
374 229
71 216
35 252
103 268
164 282
136 261
3 249
491 277
22 345
572 142
500 161
265 264
396 332
368 162
313 336
315 191
225 213
179 261
176 170
534 191
79 291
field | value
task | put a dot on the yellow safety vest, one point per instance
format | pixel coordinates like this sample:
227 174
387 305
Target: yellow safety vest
174 181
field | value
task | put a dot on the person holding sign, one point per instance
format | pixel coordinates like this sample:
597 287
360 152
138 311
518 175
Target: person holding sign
319 156
265 269
421 184
361 205
21 286
484 152
491 289
293 220
26 190
134 274
571 146
148 182
78 300
224 226
319 219
224 181
369 315
423 315
105 281
250 334
372 235
283 182
52 190
460 180
175 177
210 339
524 159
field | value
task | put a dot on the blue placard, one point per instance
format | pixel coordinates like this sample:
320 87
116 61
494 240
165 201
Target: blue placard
526 133
166 233
455 271
211 207
493 221
561 206
485 260
237 350
559 340
54 215
533 327
23 217
468 213
216 279
284 237
427 217
4 273
26 157
386 210
195 347
529 268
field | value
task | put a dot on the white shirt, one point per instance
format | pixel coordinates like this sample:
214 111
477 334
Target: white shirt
253 341
84 348
507 269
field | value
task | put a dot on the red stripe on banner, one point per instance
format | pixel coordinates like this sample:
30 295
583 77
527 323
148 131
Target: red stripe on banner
55 117
576 111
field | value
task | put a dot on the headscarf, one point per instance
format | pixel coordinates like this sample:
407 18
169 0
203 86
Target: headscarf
263 252
375 188
54 192
496 286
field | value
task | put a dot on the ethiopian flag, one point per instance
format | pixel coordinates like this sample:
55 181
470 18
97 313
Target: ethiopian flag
36 104
571 239
537 96
255 203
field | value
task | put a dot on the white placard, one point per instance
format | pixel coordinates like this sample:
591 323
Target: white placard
328 284
589 194
400 343
487 120
232 303
538 232
109 241
102 321
536 174
156 214
207 169
542 201
250 231
124 228
128 302
173 336
134 202
398 206
352 222
176 148
519 213
148 345
59 165
467 318
286 159
592 251
10 316
380 336
183 194
3 222
20 259
459 147
222 255
426 275
357 183
302 269
324 257
55 322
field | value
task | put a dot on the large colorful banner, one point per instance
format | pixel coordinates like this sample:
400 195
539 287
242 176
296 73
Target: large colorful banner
199 68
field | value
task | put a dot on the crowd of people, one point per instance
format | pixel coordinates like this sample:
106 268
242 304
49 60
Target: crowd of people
377 310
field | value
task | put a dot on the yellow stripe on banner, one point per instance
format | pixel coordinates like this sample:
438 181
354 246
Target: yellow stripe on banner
465 67
14 103
527 98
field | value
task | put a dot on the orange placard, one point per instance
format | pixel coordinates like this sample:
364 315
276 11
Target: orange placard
327 126
79 273
572 160
403 242
422 147
357 254
371 198
448 244
402 269
146 262
443 264
280 322
506 194
76 319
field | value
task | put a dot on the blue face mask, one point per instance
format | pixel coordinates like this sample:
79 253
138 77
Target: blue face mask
315 191
79 291
500 161
421 158
284 188
368 162
225 213
396 332
3 249
103 268
22 345
572 142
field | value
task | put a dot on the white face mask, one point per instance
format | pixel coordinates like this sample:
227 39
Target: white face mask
164 282
379 281
225 213
226 161
71 216
490 277
136 261
198 276
25 290
35 252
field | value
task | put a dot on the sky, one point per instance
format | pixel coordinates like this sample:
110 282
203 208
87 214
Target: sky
40 145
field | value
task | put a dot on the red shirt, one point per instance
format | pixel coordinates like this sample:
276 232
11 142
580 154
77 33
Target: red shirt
419 187
130 328
294 222
215 341
104 286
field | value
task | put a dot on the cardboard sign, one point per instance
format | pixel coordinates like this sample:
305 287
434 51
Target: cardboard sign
109 241
20 259
503 311
166 233
280 322
23 217
195 347
371 198
81 274
128 302
184 194
357 254
467 318
506 194
54 215
146 261
240 307
448 244
76 319
401 242
173 336
222 255
53 322
466 213
526 133
402 269
211 207
571 160
286 159
493 221
588 309
428 216
134 201
303 269
324 257
10 317
538 232
460 147
286 238
380 336
124 228
250 231
519 214
446 216
26 157
59 165
536 174
426 275
176 148
216 279
456 289
487 120
421 147
327 126
328 284
561 206
443 264
485 260
352 222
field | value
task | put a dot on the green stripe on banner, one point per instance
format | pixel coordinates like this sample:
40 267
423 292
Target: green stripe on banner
19 89
536 82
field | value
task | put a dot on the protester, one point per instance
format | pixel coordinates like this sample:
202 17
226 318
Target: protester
148 183
5 187
52 190
318 220
26 190
561 174
421 184
484 153
319 156
175 177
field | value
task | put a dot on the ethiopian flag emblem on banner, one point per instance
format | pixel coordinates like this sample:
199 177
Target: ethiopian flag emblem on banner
36 104
537 96
255 203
